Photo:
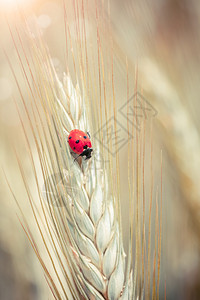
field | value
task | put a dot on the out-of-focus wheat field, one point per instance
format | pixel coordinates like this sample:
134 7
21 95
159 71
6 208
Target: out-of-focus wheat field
160 41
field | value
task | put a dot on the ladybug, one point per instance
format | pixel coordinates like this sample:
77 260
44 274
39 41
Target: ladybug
80 143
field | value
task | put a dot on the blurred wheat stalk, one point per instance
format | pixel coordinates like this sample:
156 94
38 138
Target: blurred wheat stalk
78 214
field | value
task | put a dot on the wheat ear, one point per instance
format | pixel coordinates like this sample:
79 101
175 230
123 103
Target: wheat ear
91 216
80 215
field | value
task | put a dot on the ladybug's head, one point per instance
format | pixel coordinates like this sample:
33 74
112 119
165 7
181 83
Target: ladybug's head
87 153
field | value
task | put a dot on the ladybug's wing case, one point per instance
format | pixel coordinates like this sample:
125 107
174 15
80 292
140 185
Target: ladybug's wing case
77 147
77 140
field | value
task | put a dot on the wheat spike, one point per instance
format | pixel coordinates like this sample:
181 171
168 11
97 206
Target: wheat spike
79 213
92 219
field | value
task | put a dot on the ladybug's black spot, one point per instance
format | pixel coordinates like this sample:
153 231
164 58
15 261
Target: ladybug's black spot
85 147
70 137
85 137
77 141
74 148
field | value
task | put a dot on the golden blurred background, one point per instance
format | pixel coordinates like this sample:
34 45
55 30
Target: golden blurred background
161 38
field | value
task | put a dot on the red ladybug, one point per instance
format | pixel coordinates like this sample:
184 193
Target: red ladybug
80 143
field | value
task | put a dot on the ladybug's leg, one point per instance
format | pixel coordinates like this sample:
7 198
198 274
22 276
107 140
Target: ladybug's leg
73 154
88 134
82 154
77 157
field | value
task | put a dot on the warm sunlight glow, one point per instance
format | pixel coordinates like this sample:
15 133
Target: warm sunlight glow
14 3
